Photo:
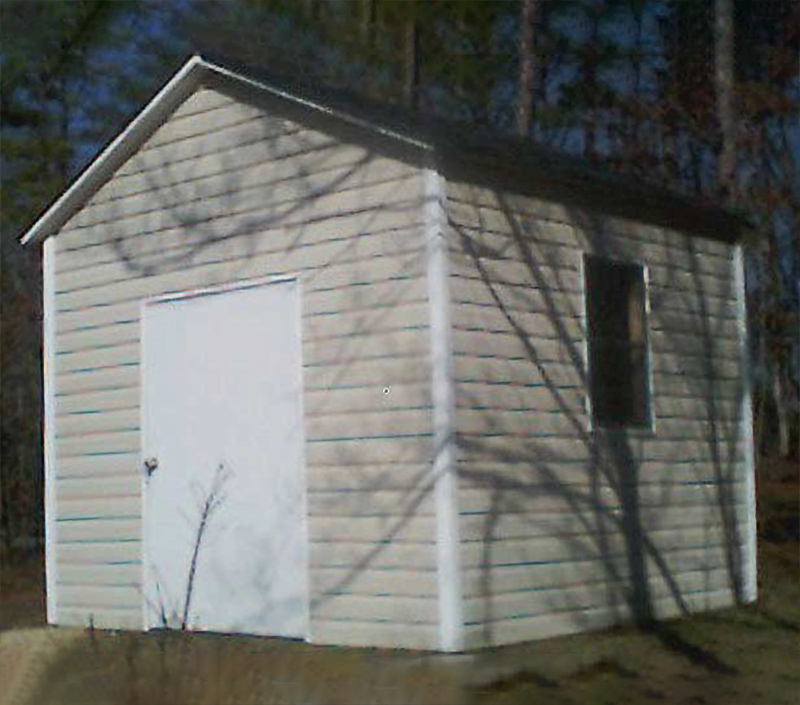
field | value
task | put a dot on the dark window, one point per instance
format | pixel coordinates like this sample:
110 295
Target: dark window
615 307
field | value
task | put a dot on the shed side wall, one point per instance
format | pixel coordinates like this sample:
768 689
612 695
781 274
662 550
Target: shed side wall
224 192
559 521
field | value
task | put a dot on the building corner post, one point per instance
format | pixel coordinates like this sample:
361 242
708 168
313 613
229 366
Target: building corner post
749 572
48 378
445 480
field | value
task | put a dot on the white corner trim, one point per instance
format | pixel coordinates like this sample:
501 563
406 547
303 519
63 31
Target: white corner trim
750 543
48 373
451 624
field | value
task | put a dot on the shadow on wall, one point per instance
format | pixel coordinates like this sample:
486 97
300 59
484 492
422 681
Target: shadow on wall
629 508
609 503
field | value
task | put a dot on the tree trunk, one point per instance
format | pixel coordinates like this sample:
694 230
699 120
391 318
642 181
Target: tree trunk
781 411
527 66
724 81
411 63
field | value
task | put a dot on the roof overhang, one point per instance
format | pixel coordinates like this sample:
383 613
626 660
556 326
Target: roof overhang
496 161
194 73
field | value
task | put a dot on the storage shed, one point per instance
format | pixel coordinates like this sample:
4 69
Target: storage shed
317 372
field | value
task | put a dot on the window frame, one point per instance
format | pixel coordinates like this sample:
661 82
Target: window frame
648 428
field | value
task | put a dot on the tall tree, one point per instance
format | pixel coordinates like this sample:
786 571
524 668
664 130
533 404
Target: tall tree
527 65
724 91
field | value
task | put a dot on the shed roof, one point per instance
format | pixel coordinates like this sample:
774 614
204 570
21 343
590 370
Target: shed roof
492 160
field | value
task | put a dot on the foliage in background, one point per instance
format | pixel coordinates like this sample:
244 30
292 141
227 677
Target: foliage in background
643 87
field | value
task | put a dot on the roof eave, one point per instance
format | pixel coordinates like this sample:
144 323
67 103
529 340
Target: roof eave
117 151
176 90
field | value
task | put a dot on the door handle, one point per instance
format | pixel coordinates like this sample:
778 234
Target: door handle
150 466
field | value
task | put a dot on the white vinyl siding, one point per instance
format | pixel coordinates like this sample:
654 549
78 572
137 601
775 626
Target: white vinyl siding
542 543
225 192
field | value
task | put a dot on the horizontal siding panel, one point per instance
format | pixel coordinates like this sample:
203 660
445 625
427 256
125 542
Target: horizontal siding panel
101 618
112 442
271 183
92 358
347 529
78 424
354 632
115 220
470 196
111 400
478 242
238 266
709 326
393 555
93 532
397 609
115 378
537 498
351 402
608 546
357 349
72 488
378 319
98 554
100 575
230 164
579 597
99 509
555 450
367 581
104 262
698 407
490 233
396 423
99 465
517 372
335 275
603 475
378 476
515 345
385 372
513 273
560 624
526 424
199 113
515 298
492 320
118 344
533 575
409 504
99 597
217 149
489 398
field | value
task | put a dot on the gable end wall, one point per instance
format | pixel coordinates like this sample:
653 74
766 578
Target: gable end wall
224 192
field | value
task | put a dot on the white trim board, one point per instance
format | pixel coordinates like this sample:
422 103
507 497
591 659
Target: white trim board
451 623
750 543
49 351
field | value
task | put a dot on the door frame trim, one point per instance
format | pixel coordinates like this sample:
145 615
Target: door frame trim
196 292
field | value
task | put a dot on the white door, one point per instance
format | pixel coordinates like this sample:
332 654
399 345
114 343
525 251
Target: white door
225 507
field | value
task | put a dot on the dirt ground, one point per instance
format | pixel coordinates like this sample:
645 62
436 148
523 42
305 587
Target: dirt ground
738 656
21 594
